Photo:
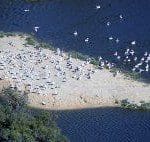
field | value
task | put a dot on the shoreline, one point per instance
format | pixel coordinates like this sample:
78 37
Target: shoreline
32 40
81 94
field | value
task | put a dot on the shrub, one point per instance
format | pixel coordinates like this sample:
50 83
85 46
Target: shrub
30 41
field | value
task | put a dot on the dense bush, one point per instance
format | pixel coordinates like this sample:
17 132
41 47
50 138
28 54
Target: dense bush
20 124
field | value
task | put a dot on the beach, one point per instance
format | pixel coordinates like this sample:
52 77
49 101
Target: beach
54 80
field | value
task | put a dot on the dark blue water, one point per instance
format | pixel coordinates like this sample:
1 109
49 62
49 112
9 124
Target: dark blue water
105 125
58 19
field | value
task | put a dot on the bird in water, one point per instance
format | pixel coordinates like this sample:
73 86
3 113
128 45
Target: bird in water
133 42
116 53
146 54
147 68
87 40
26 10
36 28
75 33
117 40
121 16
108 23
135 58
98 6
111 38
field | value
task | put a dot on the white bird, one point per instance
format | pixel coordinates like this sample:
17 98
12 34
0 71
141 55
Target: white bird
132 52
111 38
117 40
26 10
147 68
120 16
145 54
142 59
100 58
118 57
87 40
127 52
108 23
141 70
98 6
75 33
58 51
36 28
129 60
116 53
133 42
127 57
133 69
135 58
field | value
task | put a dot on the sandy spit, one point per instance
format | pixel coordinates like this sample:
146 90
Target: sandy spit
65 91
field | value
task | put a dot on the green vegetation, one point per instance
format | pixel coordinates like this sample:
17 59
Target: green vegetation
30 41
2 34
18 123
129 105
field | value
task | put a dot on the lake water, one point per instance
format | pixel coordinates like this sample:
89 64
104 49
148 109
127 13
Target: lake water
58 19
105 125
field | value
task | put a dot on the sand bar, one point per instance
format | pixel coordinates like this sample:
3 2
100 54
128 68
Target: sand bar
56 81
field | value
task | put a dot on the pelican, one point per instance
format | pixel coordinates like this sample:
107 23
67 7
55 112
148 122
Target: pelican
98 6
75 33
36 28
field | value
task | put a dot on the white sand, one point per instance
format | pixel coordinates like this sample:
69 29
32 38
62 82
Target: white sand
101 90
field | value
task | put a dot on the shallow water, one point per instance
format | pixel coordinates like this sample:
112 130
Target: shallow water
105 125
58 19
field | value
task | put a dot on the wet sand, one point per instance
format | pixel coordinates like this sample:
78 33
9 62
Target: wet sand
66 91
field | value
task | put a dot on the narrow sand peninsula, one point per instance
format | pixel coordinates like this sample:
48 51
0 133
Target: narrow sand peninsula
56 81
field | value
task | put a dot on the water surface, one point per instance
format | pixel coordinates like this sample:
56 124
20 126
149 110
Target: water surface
105 125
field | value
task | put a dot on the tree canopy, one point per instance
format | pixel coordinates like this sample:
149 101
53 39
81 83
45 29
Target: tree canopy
18 123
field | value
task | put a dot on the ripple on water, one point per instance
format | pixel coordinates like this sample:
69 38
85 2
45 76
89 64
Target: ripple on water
107 125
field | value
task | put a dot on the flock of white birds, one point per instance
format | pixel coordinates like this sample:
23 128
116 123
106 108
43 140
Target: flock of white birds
129 57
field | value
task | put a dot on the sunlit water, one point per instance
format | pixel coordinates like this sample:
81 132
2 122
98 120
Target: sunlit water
58 20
